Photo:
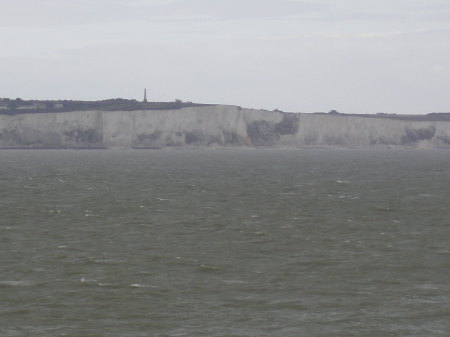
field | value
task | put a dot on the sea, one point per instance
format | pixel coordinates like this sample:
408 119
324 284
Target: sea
225 242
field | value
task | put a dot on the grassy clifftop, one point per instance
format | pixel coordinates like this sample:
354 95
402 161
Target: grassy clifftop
18 106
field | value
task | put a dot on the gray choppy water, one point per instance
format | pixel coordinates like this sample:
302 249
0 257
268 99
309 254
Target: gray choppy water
224 243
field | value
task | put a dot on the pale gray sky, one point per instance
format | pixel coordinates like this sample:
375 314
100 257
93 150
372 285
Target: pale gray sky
356 56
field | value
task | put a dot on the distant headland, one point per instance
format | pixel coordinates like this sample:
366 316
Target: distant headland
20 106
128 123
10 106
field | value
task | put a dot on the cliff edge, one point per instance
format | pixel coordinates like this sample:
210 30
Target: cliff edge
216 126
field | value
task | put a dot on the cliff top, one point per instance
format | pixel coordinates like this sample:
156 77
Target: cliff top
10 106
434 116
18 105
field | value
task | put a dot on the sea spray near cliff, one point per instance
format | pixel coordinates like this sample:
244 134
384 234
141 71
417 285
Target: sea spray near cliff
216 126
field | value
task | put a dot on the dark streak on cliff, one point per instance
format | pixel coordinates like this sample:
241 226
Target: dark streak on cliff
265 133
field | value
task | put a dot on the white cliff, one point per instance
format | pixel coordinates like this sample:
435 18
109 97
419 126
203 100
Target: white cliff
214 126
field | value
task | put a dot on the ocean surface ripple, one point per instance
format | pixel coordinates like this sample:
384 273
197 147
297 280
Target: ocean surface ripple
224 243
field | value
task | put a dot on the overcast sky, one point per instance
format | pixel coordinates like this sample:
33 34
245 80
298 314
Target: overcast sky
355 56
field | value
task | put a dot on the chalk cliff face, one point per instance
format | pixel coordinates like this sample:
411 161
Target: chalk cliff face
214 126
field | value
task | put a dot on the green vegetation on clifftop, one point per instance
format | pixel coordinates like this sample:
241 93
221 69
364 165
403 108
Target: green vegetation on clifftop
17 106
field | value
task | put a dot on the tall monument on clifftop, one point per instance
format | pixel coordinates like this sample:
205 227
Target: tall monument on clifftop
145 96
